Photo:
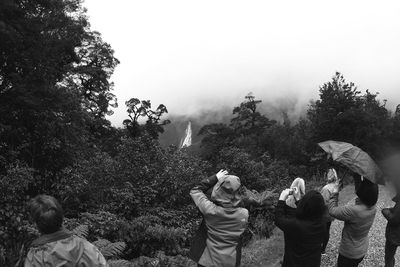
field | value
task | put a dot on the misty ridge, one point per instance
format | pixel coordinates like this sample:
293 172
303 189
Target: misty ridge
280 109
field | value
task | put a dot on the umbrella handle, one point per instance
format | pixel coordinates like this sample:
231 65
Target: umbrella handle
341 179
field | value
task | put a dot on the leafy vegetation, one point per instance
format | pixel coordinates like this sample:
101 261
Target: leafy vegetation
119 187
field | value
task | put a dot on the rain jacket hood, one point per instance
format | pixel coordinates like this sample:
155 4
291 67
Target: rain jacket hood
62 248
226 192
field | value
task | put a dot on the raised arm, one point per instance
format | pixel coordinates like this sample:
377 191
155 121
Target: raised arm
326 194
199 197
343 213
282 221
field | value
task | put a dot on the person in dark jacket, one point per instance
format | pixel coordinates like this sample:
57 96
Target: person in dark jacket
218 240
304 232
392 231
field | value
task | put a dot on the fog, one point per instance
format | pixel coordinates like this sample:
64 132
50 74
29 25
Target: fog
194 56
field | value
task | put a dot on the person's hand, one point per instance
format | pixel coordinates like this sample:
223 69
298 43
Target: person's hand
285 194
221 174
336 188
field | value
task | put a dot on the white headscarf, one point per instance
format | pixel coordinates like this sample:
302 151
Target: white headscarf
298 193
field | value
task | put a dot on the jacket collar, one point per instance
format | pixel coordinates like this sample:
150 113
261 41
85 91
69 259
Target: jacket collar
48 238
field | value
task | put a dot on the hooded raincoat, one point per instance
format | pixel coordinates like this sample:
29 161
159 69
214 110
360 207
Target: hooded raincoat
62 248
218 240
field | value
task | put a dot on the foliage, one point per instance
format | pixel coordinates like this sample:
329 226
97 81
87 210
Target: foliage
138 109
15 229
343 113
81 231
109 249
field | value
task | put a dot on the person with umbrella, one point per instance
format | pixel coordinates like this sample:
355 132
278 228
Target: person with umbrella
359 214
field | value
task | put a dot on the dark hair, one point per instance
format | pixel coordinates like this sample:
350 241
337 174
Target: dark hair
367 192
47 213
311 206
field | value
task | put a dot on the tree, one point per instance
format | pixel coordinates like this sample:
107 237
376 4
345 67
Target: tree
248 120
54 87
344 114
142 109
243 132
216 136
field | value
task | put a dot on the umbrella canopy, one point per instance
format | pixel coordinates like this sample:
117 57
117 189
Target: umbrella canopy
354 158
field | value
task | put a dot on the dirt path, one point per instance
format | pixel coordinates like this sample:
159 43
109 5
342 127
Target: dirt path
269 252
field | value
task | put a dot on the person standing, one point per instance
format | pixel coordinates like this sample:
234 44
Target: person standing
326 193
304 231
392 231
218 240
57 246
358 216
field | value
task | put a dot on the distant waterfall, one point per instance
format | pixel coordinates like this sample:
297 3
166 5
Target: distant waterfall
187 141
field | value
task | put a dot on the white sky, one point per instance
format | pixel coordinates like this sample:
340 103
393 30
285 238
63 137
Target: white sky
195 55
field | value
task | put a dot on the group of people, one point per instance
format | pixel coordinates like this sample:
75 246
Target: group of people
306 229
304 217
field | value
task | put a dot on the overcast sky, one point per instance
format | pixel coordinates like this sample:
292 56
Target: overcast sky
195 55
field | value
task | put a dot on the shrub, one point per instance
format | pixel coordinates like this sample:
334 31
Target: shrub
15 229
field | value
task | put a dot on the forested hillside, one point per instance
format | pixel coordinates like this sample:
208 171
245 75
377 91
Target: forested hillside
120 185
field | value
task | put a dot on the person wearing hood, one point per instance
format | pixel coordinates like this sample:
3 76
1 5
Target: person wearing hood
304 230
358 216
218 240
57 246
326 192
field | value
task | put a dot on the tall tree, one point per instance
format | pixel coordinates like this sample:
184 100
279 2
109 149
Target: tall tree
142 109
54 74
343 113
248 120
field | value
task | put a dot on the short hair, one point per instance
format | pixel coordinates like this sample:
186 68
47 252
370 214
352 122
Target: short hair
47 213
368 192
311 206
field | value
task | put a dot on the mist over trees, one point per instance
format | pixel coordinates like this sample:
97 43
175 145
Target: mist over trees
55 93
